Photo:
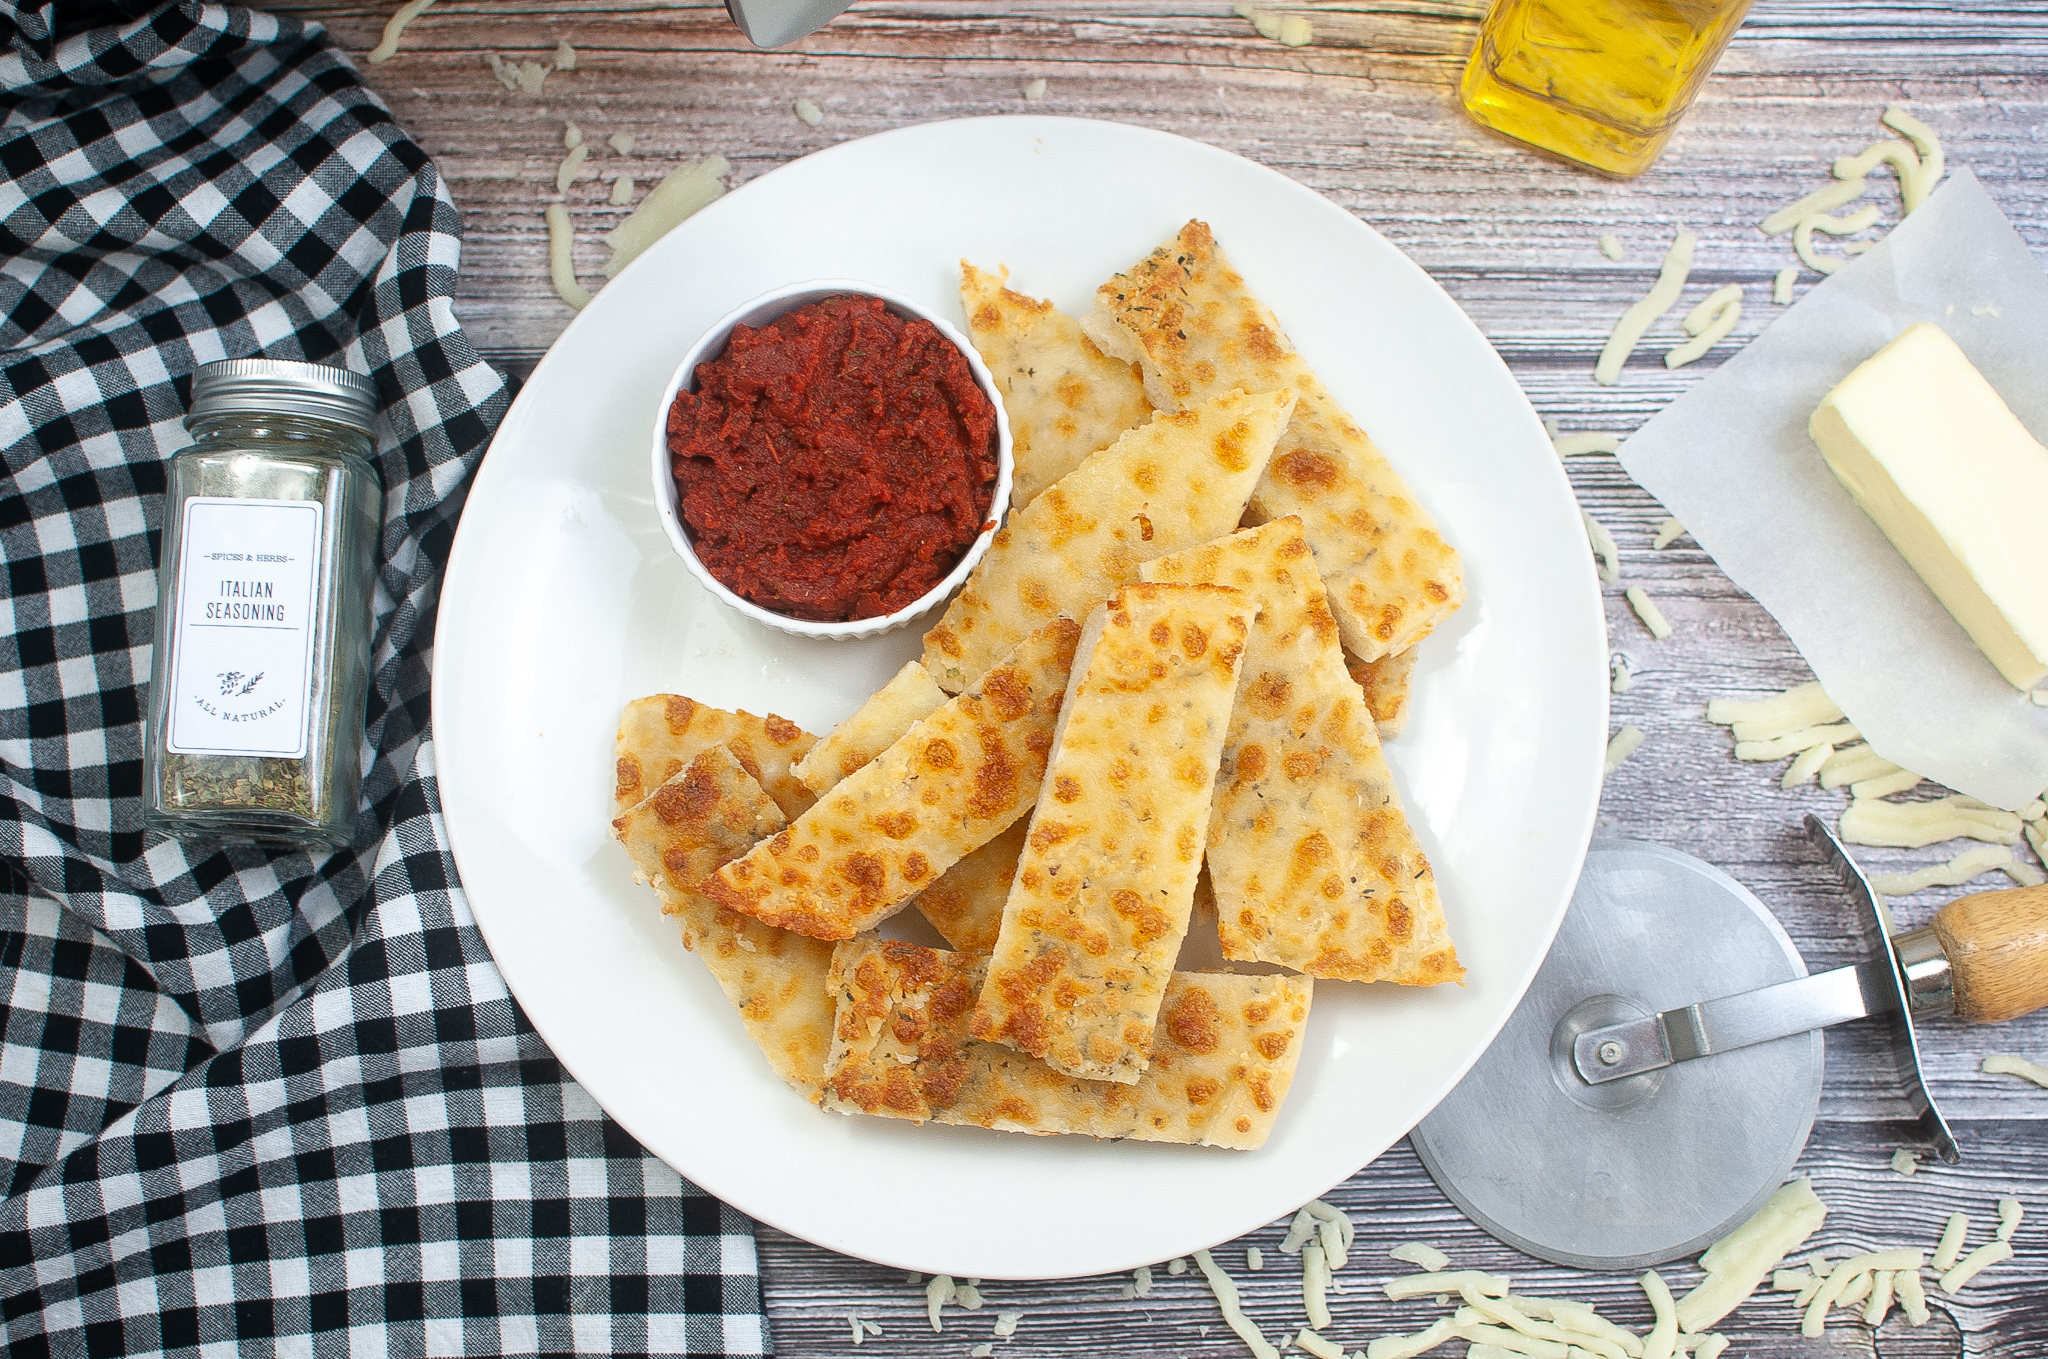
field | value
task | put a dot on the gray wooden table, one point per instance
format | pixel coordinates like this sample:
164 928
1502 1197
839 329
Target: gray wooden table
1367 116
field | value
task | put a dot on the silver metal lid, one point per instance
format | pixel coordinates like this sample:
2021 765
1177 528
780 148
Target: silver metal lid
319 391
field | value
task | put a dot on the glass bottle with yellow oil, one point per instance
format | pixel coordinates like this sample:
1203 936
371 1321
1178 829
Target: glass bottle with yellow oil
1602 82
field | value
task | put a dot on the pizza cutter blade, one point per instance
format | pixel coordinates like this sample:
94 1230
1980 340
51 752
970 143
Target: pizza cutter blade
775 23
1660 1164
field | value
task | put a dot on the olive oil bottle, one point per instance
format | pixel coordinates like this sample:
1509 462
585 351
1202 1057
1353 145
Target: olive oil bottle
1601 82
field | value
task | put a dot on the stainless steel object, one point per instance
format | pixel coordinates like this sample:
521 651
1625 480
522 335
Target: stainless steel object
1907 978
1657 1165
775 23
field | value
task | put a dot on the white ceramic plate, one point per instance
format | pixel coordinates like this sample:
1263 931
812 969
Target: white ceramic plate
564 600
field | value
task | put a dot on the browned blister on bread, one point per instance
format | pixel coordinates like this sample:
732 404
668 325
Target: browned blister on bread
1222 1059
1064 399
661 733
1180 480
1385 683
708 814
951 784
1314 864
1103 891
1187 317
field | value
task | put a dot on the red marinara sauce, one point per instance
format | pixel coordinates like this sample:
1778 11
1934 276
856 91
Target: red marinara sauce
836 463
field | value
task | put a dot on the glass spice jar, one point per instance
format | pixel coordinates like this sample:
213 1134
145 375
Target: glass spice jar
261 667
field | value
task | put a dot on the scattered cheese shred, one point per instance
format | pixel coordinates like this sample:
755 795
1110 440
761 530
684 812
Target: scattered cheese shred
1299 1232
622 191
1316 1345
1579 1319
968 1295
1708 324
1315 1286
565 56
1141 1281
1975 1263
1629 330
1036 89
1802 236
1572 445
1621 677
1610 246
1956 1231
1710 1346
1647 610
1604 548
2006 1064
859 1334
1177 1265
572 135
680 194
1624 744
1803 705
561 264
1781 286
1803 769
1912 1297
1915 825
2009 1215
1254 1259
1880 1298
1420 1255
1006 1324
394 28
1971 863
981 1351
937 1294
2036 832
571 166
1658 1343
1739 1262
1421 1285
1885 785
1668 532
1410 1346
1854 765
1903 1161
1932 158
1295 31
808 113
1855 1269
1821 200
1792 742
622 142
1332 1218
1233 1314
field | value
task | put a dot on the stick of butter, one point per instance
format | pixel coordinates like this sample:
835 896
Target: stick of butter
1945 468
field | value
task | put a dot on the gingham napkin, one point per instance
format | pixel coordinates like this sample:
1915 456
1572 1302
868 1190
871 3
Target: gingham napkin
249 1100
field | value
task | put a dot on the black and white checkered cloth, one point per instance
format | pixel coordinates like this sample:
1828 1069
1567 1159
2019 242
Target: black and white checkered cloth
253 1101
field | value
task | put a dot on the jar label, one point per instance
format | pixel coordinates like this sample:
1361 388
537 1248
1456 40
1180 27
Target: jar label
243 638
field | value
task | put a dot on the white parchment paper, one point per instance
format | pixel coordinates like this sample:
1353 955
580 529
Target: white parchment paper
1732 460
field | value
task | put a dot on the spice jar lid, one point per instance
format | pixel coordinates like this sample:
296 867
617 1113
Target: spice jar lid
283 387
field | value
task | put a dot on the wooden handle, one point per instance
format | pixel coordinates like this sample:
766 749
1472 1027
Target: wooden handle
1997 946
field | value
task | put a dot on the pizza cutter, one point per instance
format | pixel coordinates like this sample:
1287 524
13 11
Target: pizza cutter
773 23
1660 1077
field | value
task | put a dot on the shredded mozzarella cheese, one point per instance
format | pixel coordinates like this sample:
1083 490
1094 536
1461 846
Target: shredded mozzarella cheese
1975 1263
1323 1349
1880 1298
1624 744
1254 1259
1573 445
1604 547
1739 1262
2009 1215
572 135
561 265
1315 1284
1915 825
1853 765
394 28
1621 678
1904 1162
1668 532
937 1294
1233 1314
1629 330
1647 610
2006 1064
1885 785
1036 89
1664 1332
1924 141
679 194
1803 769
1803 705
1912 1297
1971 863
622 191
1708 324
1821 200
808 113
1610 246
1781 286
571 166
1421 1285
1295 31
1953 1234
565 56
1420 1255
1792 742
1410 1346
